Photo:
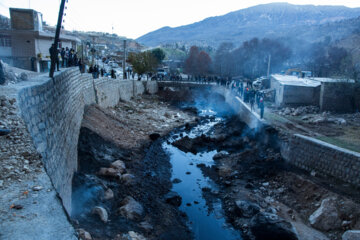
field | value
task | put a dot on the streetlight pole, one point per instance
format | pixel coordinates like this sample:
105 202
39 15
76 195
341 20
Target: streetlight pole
57 35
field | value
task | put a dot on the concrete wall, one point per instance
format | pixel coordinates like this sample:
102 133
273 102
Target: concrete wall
337 96
53 111
326 159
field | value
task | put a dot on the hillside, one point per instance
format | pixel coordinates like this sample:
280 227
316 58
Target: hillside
275 20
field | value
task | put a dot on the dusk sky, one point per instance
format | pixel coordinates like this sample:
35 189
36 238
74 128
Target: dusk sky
137 17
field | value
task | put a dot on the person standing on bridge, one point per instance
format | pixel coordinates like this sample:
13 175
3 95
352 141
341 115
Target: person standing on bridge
262 107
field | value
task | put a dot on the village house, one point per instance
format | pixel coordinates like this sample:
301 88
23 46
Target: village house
330 94
26 45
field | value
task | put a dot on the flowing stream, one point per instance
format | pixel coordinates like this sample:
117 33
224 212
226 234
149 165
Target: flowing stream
206 220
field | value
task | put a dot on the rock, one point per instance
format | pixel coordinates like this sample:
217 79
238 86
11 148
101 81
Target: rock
146 226
246 209
220 154
287 111
119 165
326 217
37 188
131 209
109 172
173 198
1 183
318 120
101 212
268 226
109 194
135 236
176 180
305 118
24 76
154 136
298 111
128 179
351 235
84 235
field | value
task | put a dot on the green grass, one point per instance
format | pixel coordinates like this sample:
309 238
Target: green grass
340 143
273 117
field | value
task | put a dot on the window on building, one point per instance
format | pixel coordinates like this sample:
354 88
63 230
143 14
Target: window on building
5 41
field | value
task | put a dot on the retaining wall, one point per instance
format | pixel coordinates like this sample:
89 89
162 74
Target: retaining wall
53 110
326 159
304 152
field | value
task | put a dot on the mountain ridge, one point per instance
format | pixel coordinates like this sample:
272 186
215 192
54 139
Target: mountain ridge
265 20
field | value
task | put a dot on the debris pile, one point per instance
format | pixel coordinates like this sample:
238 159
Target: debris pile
18 156
299 110
11 75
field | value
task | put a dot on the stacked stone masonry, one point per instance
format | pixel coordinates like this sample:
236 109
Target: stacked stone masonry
326 159
53 112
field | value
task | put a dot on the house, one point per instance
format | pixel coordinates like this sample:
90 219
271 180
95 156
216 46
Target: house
291 90
330 94
25 45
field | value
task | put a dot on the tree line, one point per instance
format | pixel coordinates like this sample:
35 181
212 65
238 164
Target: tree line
251 59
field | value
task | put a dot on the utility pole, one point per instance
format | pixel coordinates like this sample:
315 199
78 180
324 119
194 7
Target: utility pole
268 70
124 60
57 35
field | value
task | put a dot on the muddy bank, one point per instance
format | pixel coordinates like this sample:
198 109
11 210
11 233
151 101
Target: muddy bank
263 196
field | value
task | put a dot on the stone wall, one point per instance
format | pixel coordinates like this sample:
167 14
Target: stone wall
326 159
53 110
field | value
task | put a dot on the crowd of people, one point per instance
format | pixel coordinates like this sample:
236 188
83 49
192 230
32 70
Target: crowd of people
66 57
249 95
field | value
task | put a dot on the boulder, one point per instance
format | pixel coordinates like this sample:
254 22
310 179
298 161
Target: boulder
246 209
131 235
84 235
326 217
101 212
173 198
131 209
146 226
119 165
23 76
220 154
109 172
109 194
128 179
268 226
351 235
